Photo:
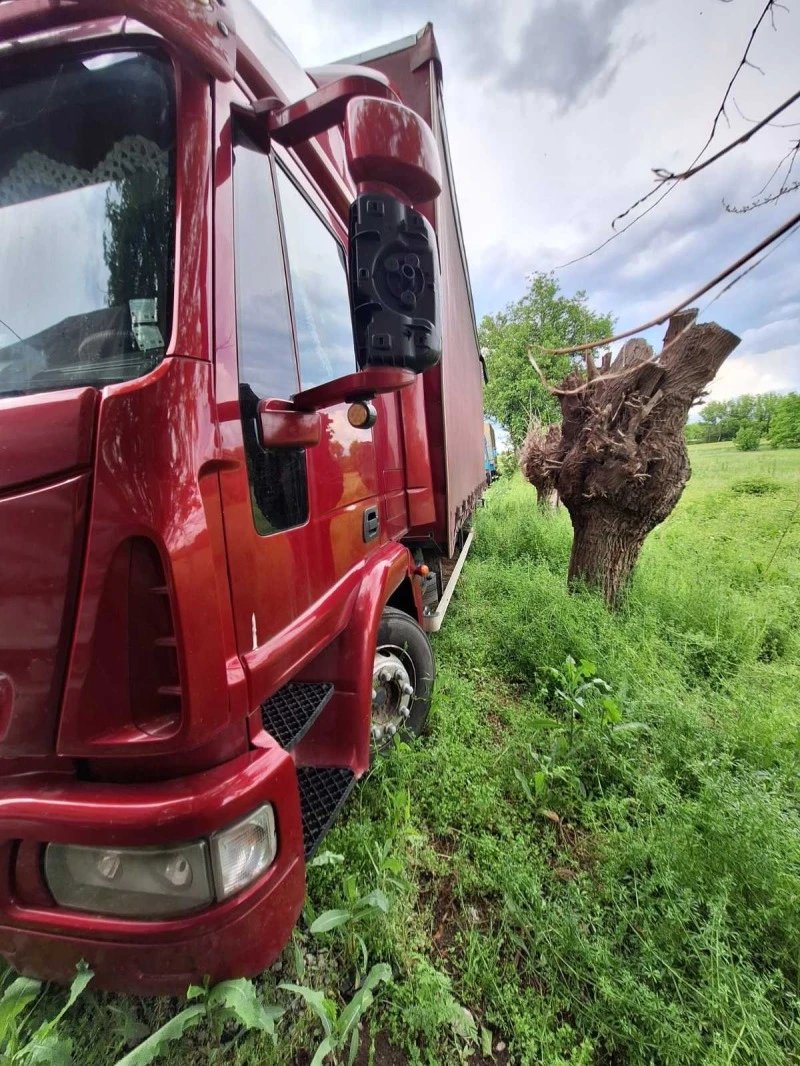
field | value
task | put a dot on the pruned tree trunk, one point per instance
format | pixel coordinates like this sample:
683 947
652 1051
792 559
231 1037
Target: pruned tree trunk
532 458
605 547
619 460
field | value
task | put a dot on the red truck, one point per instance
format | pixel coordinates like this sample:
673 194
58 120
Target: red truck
241 438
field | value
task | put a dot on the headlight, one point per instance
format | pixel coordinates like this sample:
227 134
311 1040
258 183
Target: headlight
243 851
133 882
163 881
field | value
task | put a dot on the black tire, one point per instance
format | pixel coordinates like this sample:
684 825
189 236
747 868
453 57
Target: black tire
399 631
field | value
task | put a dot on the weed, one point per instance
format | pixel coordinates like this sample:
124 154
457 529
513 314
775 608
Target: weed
235 1002
341 1027
22 1043
756 486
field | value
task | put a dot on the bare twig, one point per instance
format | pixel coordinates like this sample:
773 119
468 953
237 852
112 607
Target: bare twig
785 188
773 248
792 162
661 319
668 175
771 178
619 232
777 125
606 377
743 62
10 330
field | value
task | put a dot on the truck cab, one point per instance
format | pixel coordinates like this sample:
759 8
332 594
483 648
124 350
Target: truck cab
226 472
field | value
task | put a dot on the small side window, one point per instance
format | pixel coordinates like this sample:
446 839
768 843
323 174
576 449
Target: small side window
320 295
267 363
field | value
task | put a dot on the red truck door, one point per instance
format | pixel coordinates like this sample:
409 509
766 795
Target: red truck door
298 521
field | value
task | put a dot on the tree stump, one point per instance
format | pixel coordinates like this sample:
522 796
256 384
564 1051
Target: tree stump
619 460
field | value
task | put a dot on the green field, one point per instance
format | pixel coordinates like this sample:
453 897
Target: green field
572 872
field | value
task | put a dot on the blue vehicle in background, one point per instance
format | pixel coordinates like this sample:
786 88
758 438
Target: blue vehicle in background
489 453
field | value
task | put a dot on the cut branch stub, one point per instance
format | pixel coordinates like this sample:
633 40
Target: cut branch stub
678 323
619 460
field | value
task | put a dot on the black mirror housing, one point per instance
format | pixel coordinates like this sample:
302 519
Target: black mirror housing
394 285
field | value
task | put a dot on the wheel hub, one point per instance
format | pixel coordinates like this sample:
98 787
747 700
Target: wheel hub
392 694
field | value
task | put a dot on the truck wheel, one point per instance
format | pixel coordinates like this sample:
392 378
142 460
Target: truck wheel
402 678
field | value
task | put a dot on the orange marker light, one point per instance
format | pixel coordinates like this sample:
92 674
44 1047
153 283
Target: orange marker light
422 571
362 415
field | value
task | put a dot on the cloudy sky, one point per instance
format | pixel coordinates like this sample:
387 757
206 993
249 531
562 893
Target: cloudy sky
558 109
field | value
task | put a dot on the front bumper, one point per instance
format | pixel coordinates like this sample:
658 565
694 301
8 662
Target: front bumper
239 937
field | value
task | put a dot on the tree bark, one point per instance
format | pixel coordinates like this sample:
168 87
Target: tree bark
619 461
605 549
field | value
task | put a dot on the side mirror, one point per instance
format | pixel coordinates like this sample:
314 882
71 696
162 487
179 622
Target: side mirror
394 285
386 142
389 146
394 260
394 162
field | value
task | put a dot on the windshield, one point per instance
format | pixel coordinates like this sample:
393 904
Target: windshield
87 220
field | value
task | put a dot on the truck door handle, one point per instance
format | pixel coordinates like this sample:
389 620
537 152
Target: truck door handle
372 524
281 425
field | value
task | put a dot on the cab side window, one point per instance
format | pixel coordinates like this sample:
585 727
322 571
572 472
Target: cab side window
267 360
320 295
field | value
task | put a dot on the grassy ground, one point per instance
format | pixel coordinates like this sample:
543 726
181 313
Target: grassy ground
575 872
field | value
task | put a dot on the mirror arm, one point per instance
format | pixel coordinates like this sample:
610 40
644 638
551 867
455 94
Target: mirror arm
351 388
322 110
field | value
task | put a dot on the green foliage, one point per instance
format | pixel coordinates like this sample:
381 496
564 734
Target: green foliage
507 463
695 433
543 316
748 438
756 486
24 1042
360 910
341 1027
236 1002
157 1042
426 1012
723 419
784 430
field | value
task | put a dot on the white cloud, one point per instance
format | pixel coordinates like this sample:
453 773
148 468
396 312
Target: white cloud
772 335
777 370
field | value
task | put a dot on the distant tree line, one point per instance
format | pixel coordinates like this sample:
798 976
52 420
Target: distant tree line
749 420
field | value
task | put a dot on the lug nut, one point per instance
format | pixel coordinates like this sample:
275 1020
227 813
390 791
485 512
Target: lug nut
374 694
406 712
408 690
377 732
391 730
385 676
